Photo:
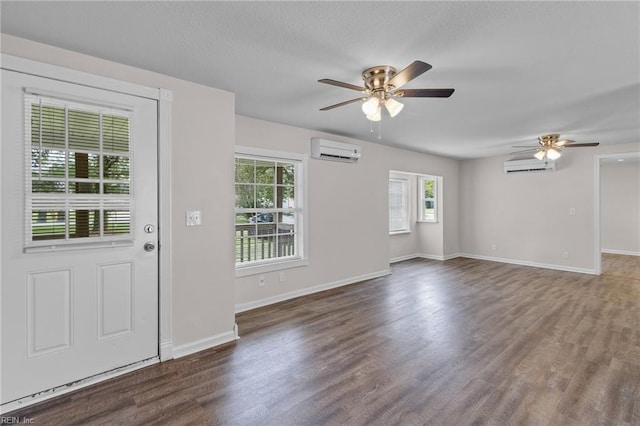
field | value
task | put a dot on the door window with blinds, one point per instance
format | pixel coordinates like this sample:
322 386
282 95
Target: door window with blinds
78 173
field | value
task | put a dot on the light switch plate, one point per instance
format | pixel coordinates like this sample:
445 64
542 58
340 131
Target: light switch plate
194 218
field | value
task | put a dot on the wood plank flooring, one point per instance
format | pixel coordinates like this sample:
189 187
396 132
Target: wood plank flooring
444 343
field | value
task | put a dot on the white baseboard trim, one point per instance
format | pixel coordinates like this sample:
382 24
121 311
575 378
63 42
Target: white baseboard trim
424 256
527 263
452 256
502 260
431 256
403 258
625 252
206 343
247 306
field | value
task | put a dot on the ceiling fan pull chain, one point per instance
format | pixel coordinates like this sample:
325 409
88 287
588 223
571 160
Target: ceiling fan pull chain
380 129
371 123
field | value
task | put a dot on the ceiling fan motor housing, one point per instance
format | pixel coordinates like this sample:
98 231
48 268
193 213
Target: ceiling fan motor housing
549 140
376 78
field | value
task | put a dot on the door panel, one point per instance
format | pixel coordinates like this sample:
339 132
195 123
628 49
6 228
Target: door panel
85 302
115 299
49 311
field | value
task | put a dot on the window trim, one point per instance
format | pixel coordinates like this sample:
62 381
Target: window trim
422 198
301 196
407 210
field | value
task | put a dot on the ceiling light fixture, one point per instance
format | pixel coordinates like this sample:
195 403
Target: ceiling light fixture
550 146
376 116
540 154
371 106
394 107
382 84
549 152
553 153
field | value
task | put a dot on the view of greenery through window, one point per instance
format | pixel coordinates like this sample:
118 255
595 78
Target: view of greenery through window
265 209
80 171
429 201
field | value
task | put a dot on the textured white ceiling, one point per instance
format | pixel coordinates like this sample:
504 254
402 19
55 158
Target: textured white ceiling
520 69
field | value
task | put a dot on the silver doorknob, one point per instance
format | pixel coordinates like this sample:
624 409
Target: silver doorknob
149 246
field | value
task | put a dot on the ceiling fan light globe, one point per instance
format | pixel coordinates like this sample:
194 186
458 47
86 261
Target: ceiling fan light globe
540 154
376 116
394 107
553 154
370 106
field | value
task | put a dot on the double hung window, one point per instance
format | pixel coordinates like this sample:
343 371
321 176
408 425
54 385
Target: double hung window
398 205
269 208
427 199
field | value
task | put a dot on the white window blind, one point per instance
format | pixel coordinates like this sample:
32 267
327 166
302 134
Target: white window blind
78 173
398 205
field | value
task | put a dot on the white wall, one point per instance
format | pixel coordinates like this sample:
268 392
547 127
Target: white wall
526 215
347 211
620 207
202 171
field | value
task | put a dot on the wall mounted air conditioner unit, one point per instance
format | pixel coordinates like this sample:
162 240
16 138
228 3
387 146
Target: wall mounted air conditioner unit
325 149
529 165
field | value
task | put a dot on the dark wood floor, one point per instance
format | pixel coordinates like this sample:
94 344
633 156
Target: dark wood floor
444 343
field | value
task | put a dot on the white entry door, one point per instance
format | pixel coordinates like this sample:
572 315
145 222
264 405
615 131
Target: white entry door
79 218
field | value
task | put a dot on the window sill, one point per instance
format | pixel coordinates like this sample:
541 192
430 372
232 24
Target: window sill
399 232
244 271
427 221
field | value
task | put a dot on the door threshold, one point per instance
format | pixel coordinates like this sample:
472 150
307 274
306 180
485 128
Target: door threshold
17 404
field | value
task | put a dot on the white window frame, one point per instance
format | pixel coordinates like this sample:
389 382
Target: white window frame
300 188
406 205
422 199
67 201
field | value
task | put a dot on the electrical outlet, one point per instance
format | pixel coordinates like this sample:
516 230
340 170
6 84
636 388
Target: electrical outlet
282 276
494 247
565 255
261 281
572 211
193 218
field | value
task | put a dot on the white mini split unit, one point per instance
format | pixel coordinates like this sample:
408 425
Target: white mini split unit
529 165
325 149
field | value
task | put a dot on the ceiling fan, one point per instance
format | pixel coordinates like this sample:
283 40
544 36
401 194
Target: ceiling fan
382 85
550 146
